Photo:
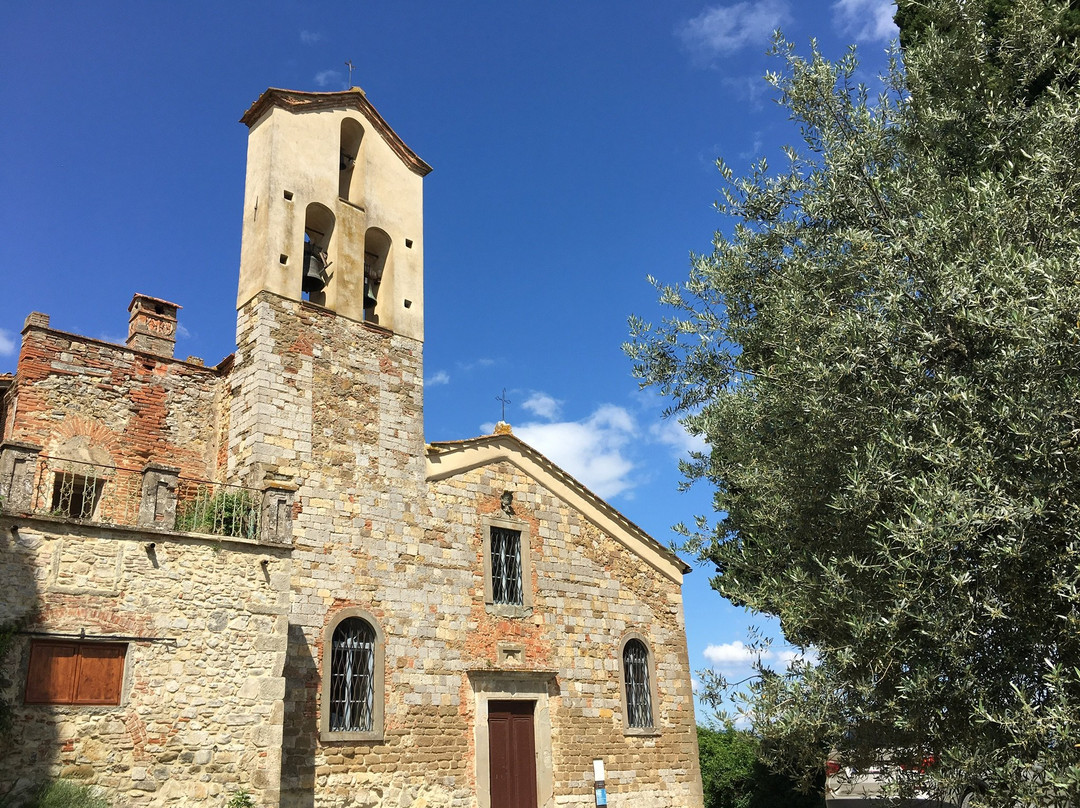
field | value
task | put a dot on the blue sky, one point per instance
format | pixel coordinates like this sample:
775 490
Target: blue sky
573 146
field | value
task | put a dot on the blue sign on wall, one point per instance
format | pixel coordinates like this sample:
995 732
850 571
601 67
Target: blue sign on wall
601 796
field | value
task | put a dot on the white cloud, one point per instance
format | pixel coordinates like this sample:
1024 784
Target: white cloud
328 77
592 450
310 37
730 654
8 345
866 20
542 405
181 331
791 655
737 657
476 363
442 377
723 30
671 433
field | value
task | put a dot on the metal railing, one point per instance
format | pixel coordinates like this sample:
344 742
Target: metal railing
79 490
129 497
217 509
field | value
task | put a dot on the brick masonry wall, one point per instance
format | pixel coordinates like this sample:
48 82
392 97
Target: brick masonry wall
337 406
134 406
201 707
589 591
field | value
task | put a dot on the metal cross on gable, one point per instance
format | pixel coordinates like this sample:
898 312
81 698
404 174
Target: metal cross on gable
504 401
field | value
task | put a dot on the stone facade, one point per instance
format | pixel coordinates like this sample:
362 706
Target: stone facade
315 425
204 621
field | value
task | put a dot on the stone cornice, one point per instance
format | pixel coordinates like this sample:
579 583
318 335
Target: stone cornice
355 98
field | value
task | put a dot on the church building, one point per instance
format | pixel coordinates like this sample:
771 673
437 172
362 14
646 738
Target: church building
258 576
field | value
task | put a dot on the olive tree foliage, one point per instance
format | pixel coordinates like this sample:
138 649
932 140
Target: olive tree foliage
883 357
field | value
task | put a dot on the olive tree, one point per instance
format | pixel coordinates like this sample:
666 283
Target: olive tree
883 357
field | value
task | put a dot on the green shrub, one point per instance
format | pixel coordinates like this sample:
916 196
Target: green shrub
240 799
66 794
232 513
734 776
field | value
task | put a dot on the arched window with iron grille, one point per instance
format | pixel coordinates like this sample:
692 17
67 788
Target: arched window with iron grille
637 686
352 677
352 703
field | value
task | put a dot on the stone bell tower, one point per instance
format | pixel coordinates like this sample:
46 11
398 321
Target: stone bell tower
333 209
328 374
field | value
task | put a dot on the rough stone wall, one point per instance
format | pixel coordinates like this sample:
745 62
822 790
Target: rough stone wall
201 707
202 700
588 592
135 406
337 405
228 691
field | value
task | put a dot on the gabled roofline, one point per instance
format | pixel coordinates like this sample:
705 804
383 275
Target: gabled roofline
354 98
450 458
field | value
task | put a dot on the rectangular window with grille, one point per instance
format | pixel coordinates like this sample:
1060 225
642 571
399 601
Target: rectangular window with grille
64 672
506 583
76 495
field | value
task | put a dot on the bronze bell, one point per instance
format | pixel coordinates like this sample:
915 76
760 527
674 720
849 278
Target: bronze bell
369 293
314 269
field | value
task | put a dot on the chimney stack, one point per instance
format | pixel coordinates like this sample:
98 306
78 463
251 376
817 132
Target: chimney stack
152 325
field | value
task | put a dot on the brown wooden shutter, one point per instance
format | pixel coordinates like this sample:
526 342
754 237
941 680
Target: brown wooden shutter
100 675
51 675
74 672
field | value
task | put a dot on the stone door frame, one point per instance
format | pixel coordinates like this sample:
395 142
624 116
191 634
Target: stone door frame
535 686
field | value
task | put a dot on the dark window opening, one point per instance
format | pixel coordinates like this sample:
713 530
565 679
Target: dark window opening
352 677
350 180
638 695
76 495
318 230
506 584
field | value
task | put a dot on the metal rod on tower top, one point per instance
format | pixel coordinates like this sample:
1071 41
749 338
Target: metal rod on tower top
504 401
350 66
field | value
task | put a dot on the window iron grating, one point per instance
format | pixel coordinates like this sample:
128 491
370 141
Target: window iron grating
506 584
638 694
352 677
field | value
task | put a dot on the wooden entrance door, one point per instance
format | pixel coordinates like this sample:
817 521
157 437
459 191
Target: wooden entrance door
513 754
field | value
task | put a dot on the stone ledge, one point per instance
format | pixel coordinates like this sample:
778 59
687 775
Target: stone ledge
136 533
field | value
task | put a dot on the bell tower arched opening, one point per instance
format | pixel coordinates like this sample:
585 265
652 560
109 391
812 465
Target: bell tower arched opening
318 229
351 176
377 246
333 210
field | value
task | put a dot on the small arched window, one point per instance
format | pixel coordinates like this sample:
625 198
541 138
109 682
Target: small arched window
352 676
637 684
352 704
350 179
